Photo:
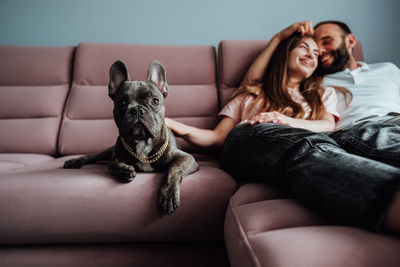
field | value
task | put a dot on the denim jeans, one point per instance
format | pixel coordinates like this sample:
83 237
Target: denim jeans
350 175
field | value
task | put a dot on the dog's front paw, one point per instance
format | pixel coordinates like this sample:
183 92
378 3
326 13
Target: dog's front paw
73 164
169 198
124 173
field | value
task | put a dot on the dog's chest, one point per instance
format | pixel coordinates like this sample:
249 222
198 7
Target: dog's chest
143 149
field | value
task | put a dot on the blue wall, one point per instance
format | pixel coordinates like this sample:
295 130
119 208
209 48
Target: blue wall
68 22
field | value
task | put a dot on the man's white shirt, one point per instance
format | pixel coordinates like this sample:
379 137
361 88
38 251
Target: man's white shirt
375 89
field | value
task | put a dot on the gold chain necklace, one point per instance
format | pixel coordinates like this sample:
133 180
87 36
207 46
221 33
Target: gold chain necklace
153 158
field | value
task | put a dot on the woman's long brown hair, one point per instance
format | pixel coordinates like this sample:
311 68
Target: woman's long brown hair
272 93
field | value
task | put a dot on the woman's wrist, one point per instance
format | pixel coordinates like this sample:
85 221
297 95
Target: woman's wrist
277 38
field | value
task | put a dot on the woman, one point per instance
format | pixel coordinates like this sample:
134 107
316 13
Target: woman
289 94
322 170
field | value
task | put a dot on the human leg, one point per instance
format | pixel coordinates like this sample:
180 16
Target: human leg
255 153
349 188
376 138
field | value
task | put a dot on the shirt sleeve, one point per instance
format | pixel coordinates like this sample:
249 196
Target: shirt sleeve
396 74
233 109
329 99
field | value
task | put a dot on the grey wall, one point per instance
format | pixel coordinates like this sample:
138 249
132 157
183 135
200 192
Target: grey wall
68 22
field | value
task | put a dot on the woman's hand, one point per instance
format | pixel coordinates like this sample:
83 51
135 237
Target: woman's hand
177 127
323 124
304 27
274 117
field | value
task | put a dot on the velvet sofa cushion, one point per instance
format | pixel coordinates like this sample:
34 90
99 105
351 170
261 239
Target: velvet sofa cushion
142 254
265 227
34 82
44 203
88 126
17 161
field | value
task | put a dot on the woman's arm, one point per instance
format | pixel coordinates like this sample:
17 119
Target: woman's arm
325 123
257 69
203 137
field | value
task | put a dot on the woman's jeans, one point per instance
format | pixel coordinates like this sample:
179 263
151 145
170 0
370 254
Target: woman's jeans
350 175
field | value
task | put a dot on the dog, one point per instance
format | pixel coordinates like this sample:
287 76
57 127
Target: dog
144 143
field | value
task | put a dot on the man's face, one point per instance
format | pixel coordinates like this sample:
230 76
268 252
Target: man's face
332 46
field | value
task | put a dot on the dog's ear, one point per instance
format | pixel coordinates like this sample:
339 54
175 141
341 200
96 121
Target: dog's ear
118 75
156 75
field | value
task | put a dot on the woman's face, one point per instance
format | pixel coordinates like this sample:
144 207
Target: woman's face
303 59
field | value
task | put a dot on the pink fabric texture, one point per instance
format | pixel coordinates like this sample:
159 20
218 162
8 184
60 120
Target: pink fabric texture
51 204
148 254
265 228
16 161
34 82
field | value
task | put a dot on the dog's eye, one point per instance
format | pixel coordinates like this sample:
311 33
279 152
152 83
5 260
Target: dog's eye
122 102
155 101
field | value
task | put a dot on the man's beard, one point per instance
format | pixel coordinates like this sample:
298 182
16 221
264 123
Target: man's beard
341 58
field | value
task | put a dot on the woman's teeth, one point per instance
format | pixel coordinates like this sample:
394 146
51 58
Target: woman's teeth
307 62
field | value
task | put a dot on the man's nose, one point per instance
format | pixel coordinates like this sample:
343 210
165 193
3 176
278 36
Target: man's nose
322 50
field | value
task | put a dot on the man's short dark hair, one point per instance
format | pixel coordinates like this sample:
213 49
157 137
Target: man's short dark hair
346 30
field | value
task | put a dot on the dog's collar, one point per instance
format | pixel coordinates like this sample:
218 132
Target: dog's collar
153 158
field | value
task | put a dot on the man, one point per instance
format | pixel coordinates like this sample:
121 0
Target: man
376 97
375 87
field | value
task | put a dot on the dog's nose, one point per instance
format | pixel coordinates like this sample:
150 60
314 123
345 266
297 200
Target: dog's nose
138 111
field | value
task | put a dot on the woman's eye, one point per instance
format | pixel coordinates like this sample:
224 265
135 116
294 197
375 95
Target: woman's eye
155 101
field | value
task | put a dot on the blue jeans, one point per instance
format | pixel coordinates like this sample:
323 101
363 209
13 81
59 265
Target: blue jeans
350 175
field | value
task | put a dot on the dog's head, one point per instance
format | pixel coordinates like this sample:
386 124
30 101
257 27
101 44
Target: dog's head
138 105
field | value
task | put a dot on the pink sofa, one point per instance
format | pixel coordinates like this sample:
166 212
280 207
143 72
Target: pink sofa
54 106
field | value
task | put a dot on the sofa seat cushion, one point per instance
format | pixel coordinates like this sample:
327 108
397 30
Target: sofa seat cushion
149 254
48 204
263 227
15 161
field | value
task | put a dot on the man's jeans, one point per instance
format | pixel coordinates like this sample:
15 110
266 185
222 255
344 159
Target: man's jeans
350 175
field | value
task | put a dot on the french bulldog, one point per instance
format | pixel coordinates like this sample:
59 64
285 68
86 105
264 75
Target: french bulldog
144 143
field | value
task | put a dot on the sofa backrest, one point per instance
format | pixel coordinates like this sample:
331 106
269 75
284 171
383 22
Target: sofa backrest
34 83
236 56
88 125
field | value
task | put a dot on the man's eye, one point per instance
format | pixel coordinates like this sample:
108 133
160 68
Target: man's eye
155 101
